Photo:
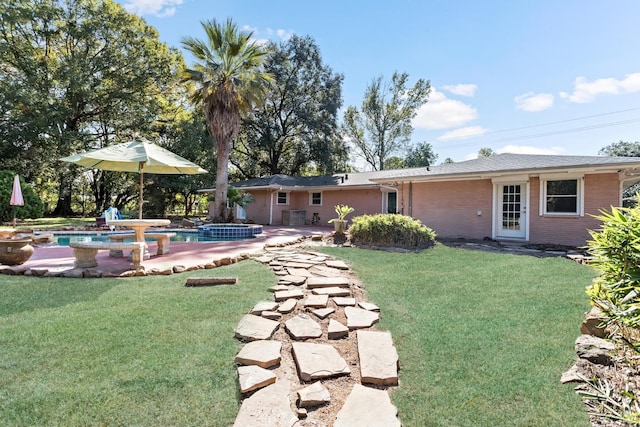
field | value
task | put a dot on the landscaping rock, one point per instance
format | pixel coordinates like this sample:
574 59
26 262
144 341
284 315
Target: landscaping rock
367 407
314 395
263 306
327 282
336 330
251 328
269 406
334 263
316 301
333 291
288 305
292 280
263 353
284 295
323 312
317 361
594 349
303 327
591 325
344 301
378 358
273 315
358 318
368 306
254 377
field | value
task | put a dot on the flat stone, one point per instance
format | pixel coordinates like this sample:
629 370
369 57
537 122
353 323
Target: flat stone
327 282
264 259
302 327
316 301
254 377
344 301
571 376
334 263
288 306
293 280
284 295
323 312
314 395
317 361
263 306
323 270
296 264
336 330
378 358
299 272
333 291
263 353
273 315
358 318
277 288
252 328
594 349
368 306
366 407
269 406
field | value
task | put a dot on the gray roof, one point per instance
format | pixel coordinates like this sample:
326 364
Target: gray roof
492 165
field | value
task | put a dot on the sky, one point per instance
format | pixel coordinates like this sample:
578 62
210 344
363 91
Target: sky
529 76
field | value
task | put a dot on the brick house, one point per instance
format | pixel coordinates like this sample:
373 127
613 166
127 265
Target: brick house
519 197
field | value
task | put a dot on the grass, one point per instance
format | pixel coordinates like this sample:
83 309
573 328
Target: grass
482 337
55 223
134 352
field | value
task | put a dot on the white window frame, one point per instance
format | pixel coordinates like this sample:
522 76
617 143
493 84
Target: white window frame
286 195
311 193
563 177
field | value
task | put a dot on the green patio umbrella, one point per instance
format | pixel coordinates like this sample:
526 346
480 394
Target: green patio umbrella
136 156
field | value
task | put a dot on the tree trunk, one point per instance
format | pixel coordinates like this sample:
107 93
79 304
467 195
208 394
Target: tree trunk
63 206
222 180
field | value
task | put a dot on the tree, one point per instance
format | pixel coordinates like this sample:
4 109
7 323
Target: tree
624 149
75 75
421 155
447 161
229 81
486 152
394 162
383 123
296 128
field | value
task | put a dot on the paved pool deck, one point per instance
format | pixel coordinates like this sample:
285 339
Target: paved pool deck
186 254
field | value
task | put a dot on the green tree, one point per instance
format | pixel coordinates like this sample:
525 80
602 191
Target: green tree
486 152
447 161
624 149
383 123
420 156
297 125
75 75
230 81
395 162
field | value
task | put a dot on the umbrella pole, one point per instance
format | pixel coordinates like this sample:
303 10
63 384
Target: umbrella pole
140 206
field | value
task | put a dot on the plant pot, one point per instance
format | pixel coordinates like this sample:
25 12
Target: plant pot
15 252
339 226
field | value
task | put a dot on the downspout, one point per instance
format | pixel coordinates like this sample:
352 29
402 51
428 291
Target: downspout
271 208
410 199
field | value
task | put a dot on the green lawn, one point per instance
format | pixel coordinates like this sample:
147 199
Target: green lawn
483 339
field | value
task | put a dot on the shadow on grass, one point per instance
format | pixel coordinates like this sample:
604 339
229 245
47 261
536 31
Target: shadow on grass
21 294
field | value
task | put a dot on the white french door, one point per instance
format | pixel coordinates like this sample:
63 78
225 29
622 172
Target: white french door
511 218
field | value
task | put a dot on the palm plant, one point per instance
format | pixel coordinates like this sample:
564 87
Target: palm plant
229 81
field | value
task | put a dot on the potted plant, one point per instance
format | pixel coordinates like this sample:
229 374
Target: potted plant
340 223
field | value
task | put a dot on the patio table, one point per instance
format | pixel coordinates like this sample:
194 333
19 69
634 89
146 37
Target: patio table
139 226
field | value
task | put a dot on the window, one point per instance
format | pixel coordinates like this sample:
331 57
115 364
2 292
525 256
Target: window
563 196
283 198
315 199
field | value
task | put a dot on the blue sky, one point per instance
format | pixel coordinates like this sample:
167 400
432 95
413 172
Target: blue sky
531 76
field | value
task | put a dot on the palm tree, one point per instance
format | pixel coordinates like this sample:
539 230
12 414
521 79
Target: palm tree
229 81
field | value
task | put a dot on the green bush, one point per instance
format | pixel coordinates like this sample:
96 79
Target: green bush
391 230
616 251
33 206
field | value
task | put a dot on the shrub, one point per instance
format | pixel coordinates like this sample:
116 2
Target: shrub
391 230
616 251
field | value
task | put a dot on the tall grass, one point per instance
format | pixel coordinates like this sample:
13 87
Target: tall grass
482 337
135 352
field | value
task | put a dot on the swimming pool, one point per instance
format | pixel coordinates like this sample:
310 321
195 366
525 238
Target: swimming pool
63 239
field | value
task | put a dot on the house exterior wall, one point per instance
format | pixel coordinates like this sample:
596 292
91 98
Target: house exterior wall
601 191
451 208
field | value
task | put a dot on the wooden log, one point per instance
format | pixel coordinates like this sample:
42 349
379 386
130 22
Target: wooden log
210 281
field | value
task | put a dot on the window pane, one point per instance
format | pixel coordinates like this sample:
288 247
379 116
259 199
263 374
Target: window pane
282 198
568 187
562 204
316 198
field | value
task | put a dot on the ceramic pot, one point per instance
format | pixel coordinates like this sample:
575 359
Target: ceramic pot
15 252
339 226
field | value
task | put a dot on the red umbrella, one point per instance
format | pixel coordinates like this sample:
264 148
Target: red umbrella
16 196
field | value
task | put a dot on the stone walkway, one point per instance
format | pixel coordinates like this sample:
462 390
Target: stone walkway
312 356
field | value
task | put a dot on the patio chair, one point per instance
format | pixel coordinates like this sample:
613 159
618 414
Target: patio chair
110 215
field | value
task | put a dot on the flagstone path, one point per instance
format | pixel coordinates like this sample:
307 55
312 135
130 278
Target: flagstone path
312 356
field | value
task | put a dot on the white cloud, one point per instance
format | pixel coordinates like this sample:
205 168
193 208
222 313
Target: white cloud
585 91
443 113
462 89
281 34
158 8
534 102
527 149
463 133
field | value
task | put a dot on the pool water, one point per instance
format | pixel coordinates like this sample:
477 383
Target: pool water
63 239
